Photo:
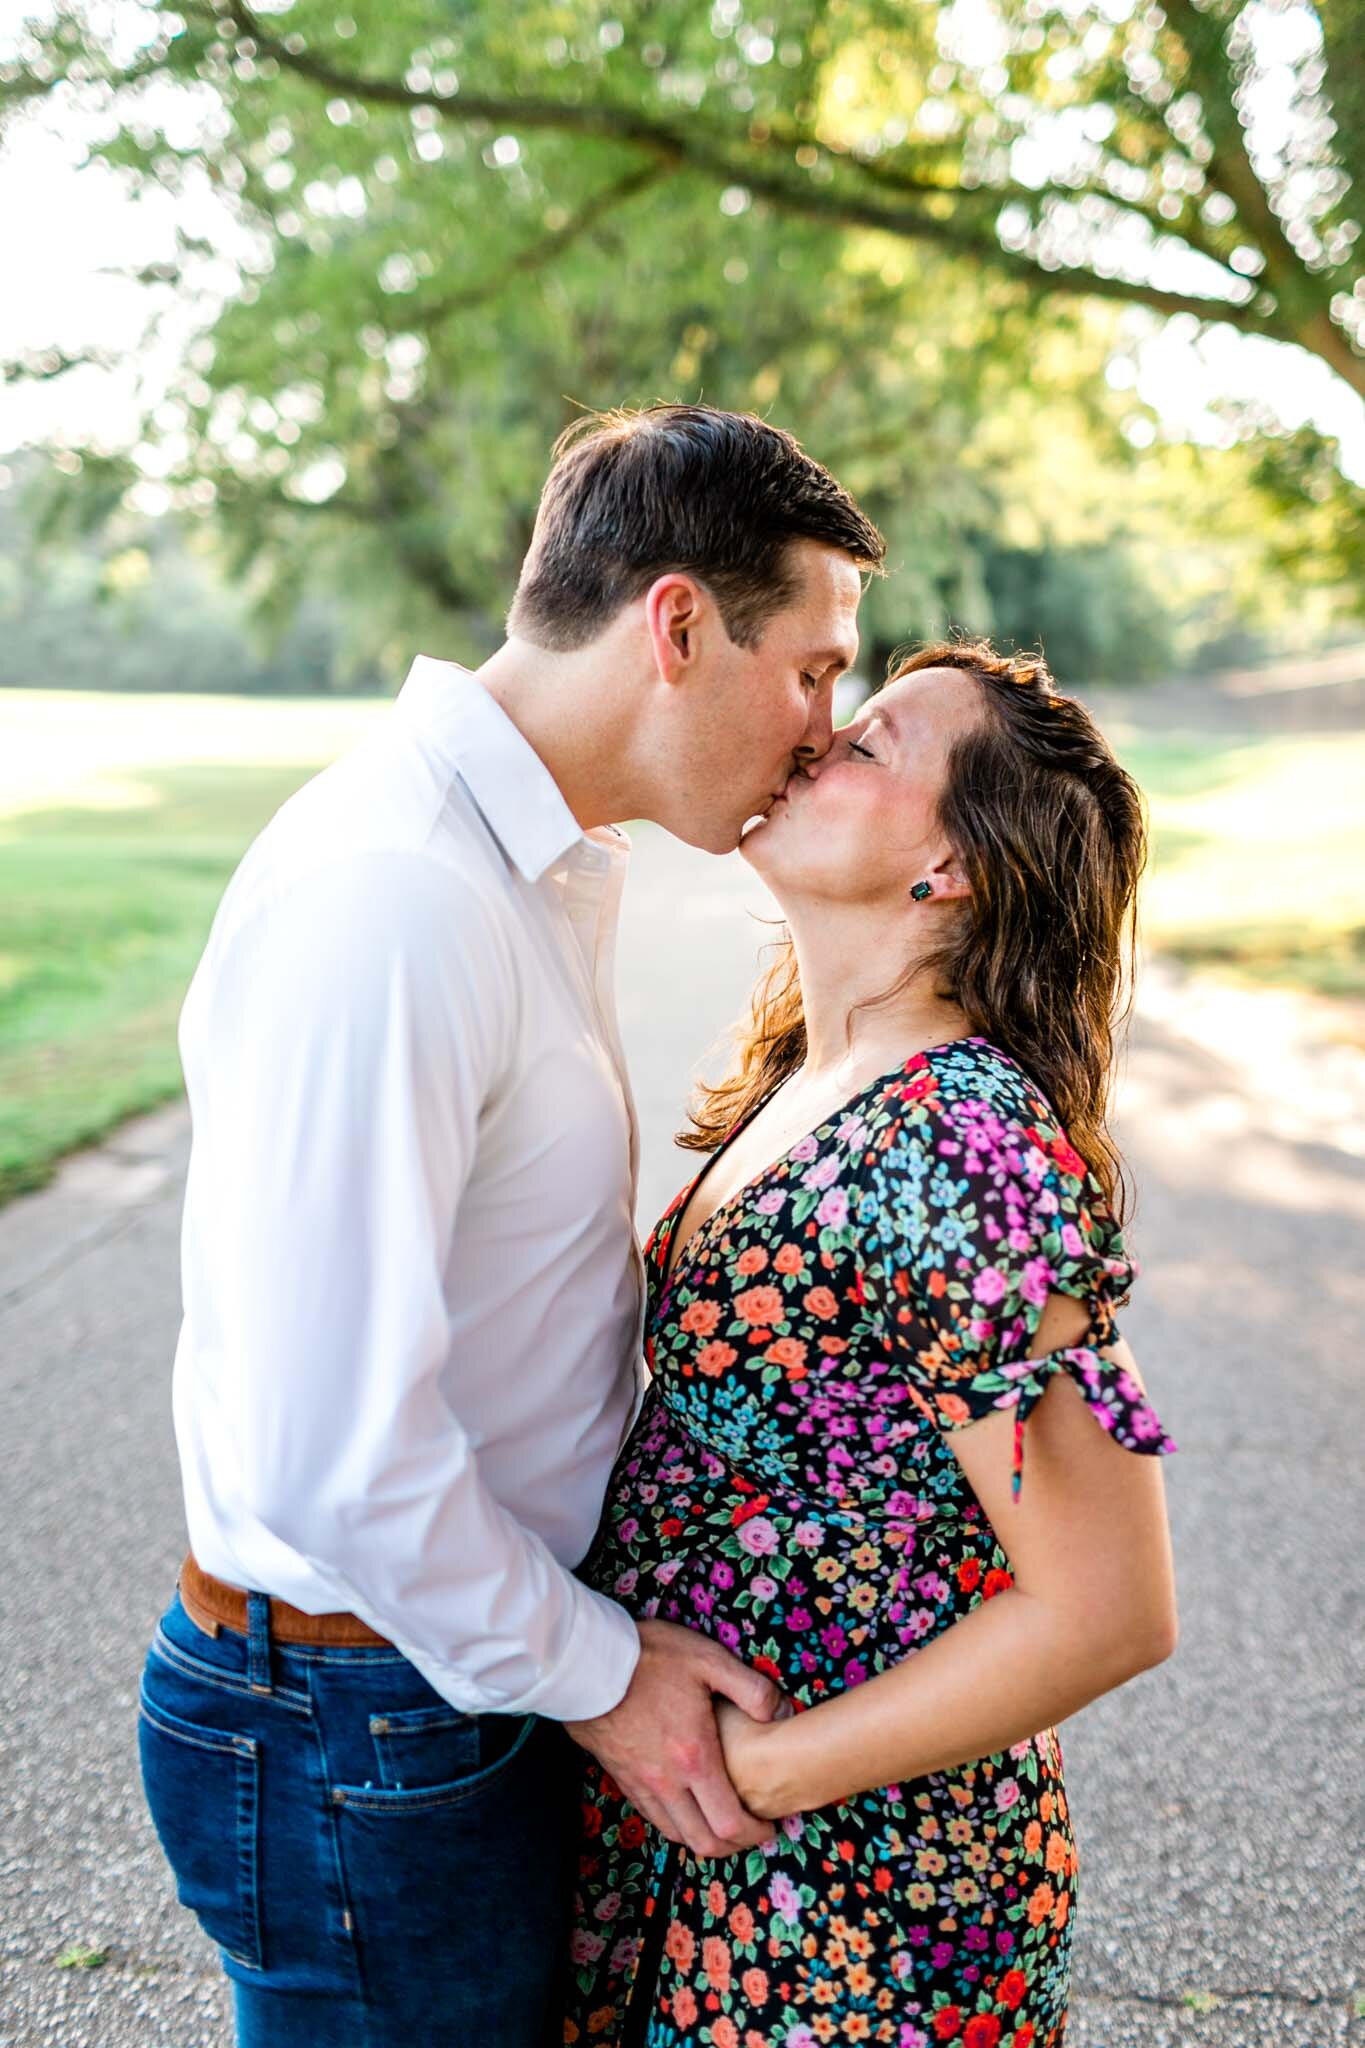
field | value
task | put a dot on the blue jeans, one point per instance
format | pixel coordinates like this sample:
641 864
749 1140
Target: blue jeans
378 1869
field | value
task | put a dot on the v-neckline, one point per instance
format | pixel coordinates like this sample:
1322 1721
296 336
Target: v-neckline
671 1262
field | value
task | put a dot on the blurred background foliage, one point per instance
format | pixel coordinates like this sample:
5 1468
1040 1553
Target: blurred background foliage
413 242
398 248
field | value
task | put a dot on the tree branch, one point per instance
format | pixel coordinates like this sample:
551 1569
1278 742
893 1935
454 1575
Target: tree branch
524 262
1231 168
693 147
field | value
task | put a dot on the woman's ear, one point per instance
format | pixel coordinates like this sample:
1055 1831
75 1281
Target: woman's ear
948 879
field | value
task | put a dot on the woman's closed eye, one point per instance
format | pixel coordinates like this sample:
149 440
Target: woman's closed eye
856 747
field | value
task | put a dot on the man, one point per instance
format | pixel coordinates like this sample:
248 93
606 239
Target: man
412 1288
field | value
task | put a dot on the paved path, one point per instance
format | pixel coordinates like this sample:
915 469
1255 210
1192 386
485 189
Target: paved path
1217 1799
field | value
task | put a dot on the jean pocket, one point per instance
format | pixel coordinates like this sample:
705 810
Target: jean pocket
436 1757
425 1746
203 1790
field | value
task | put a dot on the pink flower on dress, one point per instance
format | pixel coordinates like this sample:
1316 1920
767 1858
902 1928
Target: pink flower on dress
758 1536
990 1285
1035 1281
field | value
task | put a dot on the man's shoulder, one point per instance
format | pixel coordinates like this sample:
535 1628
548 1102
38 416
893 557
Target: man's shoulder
373 830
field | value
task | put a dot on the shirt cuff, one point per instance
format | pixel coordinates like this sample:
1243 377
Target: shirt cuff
590 1677
595 1671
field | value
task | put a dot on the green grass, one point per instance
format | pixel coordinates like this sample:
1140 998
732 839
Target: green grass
1258 855
103 915
121 820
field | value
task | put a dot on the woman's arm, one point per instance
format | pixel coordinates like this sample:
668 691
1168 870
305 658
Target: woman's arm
1092 1604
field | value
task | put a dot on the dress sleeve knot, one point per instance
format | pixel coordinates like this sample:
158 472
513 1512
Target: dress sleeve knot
1112 1394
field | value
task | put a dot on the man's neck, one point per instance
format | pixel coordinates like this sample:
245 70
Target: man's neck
566 708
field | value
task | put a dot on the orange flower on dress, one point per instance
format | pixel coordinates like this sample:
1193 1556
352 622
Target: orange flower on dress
1058 1854
715 1898
754 1985
821 1302
713 1358
1033 1838
742 1923
751 1260
684 2006
724 2033
715 1960
1041 1902
679 1945
790 1258
756 1305
786 1351
699 1318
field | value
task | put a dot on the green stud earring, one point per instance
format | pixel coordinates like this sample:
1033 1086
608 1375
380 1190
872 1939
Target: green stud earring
921 890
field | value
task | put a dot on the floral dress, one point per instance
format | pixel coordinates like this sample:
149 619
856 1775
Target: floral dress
788 1488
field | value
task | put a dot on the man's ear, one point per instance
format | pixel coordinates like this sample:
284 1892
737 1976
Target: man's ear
672 609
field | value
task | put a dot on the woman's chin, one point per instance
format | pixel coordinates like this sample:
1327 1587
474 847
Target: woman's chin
755 842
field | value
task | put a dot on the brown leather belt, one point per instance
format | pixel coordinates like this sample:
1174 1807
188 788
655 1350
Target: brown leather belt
212 1604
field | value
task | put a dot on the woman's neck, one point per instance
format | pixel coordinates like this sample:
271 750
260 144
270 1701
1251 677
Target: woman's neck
846 968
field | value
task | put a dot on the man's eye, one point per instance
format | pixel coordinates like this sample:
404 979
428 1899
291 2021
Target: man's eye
866 752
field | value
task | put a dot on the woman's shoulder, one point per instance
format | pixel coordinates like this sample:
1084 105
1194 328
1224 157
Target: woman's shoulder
969 1105
968 1076
973 1159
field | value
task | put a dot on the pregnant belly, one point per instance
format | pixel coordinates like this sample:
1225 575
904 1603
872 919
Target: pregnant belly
820 1599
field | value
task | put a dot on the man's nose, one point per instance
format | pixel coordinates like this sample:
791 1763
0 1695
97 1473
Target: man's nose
819 733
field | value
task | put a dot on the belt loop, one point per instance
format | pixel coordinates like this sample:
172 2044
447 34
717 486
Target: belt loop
258 1641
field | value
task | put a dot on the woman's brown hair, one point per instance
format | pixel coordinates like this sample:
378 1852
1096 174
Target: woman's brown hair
1051 834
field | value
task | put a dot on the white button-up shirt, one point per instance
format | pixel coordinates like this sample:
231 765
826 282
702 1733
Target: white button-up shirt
412 1289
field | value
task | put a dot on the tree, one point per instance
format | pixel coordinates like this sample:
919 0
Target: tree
860 218
1095 148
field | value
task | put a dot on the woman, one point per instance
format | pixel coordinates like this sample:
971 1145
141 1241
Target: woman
905 1244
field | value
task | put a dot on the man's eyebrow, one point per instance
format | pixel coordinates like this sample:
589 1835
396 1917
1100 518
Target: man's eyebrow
834 657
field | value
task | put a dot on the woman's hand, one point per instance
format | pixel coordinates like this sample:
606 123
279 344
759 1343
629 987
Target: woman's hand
752 1751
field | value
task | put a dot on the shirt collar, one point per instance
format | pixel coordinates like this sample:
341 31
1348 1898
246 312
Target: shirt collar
520 800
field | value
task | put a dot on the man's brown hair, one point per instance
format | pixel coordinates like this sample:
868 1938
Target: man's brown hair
635 494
